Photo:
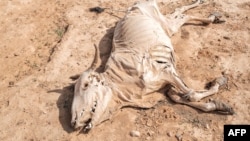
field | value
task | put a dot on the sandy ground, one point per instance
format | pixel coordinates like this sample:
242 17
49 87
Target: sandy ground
44 42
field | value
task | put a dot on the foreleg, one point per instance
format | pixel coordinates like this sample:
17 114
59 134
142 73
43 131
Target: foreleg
182 9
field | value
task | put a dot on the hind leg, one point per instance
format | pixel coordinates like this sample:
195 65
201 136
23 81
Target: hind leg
189 94
177 19
192 95
206 107
198 95
213 18
179 11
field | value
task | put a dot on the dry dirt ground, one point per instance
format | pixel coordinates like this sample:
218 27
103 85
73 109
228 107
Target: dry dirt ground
44 42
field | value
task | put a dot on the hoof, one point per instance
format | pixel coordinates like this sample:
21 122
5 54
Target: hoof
221 80
223 107
216 14
217 17
198 2
202 1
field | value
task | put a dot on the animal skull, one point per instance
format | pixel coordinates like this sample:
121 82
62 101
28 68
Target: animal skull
91 97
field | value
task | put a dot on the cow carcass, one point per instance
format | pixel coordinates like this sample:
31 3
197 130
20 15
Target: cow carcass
142 62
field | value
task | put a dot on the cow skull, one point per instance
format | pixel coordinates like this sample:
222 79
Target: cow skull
91 98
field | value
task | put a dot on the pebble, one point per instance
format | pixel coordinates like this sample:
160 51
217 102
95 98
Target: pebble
227 38
135 133
207 126
178 136
11 84
170 134
150 133
149 123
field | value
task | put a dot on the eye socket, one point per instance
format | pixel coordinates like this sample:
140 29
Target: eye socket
86 85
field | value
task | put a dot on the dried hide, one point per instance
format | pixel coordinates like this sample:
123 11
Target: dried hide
141 63
142 52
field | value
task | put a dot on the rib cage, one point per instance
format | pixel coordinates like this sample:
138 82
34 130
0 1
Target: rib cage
141 31
141 50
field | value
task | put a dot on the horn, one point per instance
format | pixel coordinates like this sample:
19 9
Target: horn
94 63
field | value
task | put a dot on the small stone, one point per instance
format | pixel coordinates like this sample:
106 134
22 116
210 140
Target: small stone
175 117
149 123
143 121
170 134
207 126
178 136
150 133
11 84
135 133
227 38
